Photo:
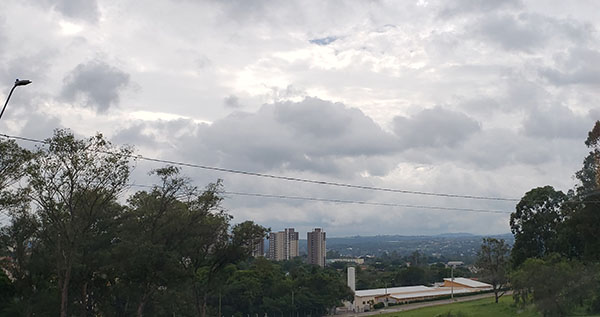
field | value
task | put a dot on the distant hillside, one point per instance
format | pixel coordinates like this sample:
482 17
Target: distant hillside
454 245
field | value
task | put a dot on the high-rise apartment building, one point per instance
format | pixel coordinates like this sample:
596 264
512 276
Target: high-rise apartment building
283 245
258 248
316 247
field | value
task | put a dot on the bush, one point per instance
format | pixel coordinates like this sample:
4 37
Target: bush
379 305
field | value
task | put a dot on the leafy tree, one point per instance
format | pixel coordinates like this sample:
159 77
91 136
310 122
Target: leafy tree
151 240
74 182
176 239
437 272
12 162
7 292
493 259
536 223
556 248
282 288
582 234
554 284
589 175
26 259
323 288
417 258
411 275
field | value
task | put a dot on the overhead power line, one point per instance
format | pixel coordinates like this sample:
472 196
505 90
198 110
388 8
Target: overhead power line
357 202
287 178
344 201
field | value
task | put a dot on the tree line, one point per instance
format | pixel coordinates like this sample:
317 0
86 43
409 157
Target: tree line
76 246
555 260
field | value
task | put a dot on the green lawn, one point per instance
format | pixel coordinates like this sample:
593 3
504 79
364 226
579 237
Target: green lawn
482 307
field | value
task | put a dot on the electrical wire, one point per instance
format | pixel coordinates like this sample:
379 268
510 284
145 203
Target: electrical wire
357 202
343 201
285 178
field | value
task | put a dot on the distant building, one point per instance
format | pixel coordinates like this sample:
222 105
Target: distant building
461 282
283 245
365 299
258 248
316 247
351 278
347 260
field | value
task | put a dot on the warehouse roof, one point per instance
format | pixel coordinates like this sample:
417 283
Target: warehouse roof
468 282
432 293
391 290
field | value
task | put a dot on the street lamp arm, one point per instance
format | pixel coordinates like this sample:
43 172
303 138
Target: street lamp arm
18 82
7 99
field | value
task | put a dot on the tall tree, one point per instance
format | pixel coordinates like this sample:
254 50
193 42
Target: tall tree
589 175
73 182
585 222
12 163
148 248
493 259
177 238
536 223
26 258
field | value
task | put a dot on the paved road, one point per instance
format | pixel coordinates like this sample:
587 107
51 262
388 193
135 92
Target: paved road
406 307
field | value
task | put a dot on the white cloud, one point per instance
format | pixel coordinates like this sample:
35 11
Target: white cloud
490 97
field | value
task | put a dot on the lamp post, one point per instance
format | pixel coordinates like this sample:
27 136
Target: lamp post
21 82
453 264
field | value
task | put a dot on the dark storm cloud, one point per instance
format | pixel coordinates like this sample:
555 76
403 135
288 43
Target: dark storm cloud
556 122
96 83
82 10
437 127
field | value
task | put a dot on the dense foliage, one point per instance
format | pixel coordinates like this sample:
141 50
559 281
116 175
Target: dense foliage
556 254
73 248
264 287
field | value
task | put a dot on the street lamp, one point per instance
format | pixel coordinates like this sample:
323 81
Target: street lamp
453 264
18 82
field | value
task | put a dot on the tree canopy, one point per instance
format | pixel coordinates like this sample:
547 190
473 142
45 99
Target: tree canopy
76 246
556 255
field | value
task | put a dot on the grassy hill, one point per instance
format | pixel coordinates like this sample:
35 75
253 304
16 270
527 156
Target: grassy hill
482 307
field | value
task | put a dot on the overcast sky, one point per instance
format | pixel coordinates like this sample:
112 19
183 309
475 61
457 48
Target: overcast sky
472 97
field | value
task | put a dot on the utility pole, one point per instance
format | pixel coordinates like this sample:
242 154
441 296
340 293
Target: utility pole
452 285
452 265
